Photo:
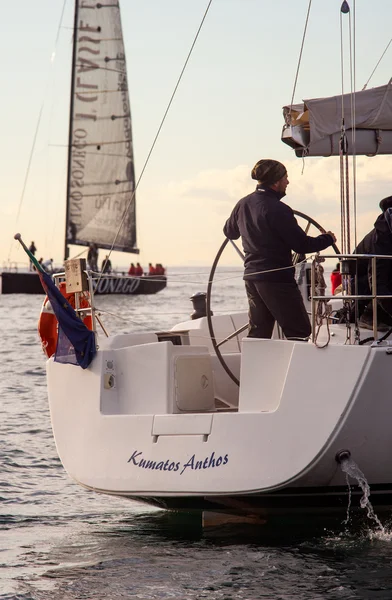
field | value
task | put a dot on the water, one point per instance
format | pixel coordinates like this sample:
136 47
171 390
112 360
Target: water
350 467
59 541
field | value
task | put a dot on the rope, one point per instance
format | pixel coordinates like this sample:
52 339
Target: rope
160 128
381 339
100 275
342 202
300 55
29 164
341 61
343 146
380 59
37 127
344 161
353 54
323 310
347 192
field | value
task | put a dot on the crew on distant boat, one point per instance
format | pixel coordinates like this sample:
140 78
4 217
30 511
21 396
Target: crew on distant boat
336 278
139 270
33 250
92 257
159 269
48 265
269 233
106 265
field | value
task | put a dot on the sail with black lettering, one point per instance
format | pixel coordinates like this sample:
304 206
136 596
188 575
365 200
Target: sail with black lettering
101 180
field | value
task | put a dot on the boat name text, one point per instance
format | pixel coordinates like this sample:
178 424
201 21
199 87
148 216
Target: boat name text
192 463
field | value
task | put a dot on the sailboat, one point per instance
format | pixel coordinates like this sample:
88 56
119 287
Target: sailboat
101 206
229 423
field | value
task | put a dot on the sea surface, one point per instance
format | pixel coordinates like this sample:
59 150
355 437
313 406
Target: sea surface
59 541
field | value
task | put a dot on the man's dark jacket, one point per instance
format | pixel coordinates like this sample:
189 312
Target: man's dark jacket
269 233
378 241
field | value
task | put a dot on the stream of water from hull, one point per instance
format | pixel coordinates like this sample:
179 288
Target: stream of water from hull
351 469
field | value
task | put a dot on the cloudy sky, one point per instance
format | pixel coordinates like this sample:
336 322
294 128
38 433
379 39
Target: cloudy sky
226 115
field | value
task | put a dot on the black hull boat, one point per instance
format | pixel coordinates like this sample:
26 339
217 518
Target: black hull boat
118 284
20 283
29 283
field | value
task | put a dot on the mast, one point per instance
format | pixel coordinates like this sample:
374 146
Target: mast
71 109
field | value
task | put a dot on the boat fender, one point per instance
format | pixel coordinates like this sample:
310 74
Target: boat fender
47 323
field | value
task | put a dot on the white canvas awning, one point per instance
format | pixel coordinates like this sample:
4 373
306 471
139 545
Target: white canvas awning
314 127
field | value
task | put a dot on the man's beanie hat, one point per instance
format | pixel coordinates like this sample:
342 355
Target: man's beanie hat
386 203
268 171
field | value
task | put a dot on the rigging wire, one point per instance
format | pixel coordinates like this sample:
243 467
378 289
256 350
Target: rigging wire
344 150
344 161
161 126
300 55
97 275
353 114
379 60
351 124
342 61
53 55
341 144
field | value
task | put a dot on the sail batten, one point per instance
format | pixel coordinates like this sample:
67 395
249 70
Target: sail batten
101 185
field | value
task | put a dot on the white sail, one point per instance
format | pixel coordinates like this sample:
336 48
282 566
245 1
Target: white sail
101 181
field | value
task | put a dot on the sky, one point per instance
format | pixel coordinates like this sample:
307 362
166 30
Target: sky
226 115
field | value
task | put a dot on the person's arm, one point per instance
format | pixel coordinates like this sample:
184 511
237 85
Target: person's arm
230 229
285 224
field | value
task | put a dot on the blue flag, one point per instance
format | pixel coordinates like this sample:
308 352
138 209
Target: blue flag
75 343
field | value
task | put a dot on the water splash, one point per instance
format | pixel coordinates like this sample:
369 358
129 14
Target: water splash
350 467
347 519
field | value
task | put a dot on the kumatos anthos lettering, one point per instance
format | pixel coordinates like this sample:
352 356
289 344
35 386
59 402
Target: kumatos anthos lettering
193 463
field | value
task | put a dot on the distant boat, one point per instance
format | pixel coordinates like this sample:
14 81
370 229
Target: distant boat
18 282
101 207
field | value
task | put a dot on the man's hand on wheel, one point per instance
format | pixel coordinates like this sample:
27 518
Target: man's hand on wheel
333 236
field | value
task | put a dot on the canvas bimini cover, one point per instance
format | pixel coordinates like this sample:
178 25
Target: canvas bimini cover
314 127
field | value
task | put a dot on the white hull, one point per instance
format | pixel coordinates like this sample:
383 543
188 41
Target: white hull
163 422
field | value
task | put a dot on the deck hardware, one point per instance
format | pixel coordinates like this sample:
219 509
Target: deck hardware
342 455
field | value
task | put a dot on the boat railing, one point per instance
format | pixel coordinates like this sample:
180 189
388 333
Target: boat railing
80 310
349 281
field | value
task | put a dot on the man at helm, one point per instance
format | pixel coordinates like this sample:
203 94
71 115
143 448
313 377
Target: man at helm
270 233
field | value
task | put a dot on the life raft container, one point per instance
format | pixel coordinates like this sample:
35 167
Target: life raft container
48 325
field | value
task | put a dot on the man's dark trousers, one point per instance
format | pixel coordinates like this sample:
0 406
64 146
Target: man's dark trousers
274 301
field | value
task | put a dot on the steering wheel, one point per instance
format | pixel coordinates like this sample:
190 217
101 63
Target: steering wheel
215 344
